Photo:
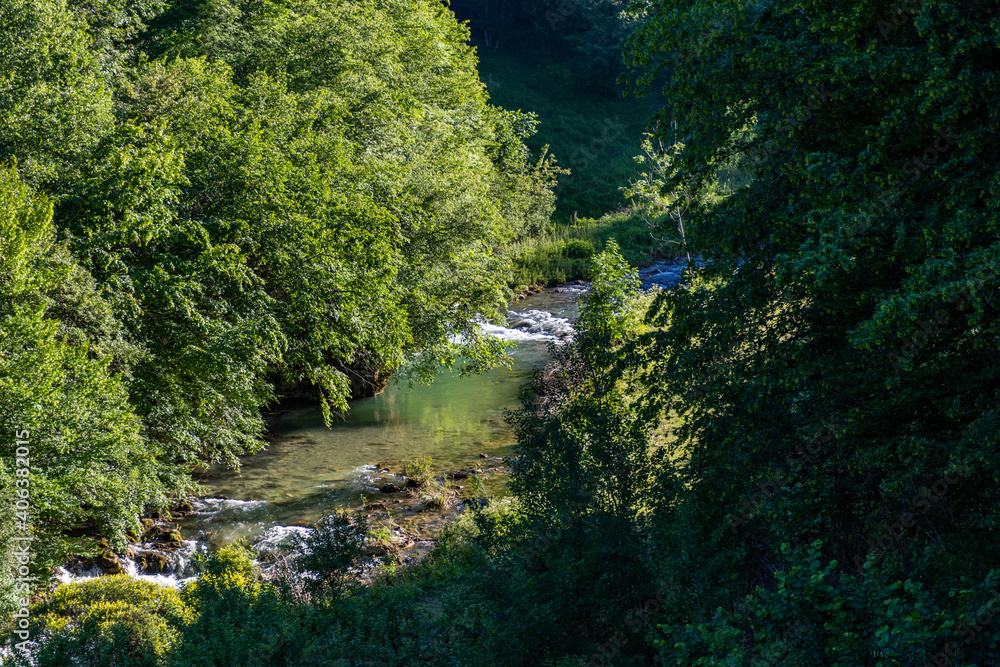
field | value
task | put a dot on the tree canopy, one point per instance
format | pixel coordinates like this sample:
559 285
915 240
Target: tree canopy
249 200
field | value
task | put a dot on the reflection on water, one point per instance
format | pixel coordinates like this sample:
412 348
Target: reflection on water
309 469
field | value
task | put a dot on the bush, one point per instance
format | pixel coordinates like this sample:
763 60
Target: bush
114 621
578 249
330 551
241 621
819 614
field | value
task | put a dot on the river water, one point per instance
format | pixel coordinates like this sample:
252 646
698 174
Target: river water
309 470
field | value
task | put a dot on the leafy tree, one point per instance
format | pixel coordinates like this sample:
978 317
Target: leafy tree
838 357
55 103
254 199
327 555
89 464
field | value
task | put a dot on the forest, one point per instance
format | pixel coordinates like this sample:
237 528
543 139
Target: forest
212 208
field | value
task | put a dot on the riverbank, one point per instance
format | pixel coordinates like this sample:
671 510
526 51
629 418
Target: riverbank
309 470
563 253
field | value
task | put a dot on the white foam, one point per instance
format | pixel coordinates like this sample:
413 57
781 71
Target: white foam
179 561
220 507
535 325
540 322
280 538
504 333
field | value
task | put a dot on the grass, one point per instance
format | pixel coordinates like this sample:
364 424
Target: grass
418 471
593 132
564 252
380 535
432 493
436 496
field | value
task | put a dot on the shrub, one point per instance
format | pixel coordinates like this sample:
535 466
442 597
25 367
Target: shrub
115 621
578 249
241 620
818 613
330 551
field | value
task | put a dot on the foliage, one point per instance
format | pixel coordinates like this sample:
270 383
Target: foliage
818 614
593 133
239 617
252 200
837 359
609 314
436 495
88 462
578 249
790 460
328 553
657 193
9 598
56 105
584 478
108 621
590 32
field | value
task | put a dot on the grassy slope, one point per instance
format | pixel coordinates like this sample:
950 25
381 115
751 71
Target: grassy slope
594 133
564 253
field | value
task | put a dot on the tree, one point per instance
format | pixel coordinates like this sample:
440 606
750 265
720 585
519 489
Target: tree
264 198
838 356
56 105
88 462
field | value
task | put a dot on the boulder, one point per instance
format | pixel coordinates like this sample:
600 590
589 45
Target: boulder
109 563
152 563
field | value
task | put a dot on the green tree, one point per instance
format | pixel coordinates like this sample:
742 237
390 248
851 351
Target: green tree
837 358
56 104
89 464
263 198
584 479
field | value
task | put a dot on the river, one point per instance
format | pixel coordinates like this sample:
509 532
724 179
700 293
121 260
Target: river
309 470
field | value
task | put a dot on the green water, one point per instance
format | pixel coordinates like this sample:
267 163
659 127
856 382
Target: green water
310 469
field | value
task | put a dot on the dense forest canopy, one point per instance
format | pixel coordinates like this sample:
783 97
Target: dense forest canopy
787 459
223 202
